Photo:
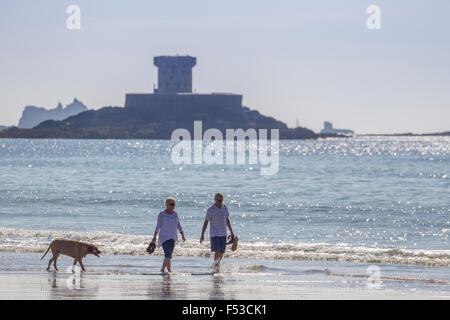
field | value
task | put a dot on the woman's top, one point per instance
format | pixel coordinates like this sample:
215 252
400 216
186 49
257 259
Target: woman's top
167 226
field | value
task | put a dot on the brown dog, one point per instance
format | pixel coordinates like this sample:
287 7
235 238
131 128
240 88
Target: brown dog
75 249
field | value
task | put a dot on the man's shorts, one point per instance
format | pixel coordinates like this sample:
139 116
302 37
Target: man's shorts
168 246
218 244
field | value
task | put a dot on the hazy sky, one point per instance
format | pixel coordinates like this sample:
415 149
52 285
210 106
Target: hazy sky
311 60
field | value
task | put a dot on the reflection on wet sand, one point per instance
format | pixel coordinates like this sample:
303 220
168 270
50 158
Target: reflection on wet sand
166 287
217 287
71 285
189 287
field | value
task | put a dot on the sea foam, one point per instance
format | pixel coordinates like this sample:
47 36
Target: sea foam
37 241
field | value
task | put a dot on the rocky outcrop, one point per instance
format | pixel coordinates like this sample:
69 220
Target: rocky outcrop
32 116
156 122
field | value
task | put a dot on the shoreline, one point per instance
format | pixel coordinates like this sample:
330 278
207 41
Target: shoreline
319 136
23 276
36 241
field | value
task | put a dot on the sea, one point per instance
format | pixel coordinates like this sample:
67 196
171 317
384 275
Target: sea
338 208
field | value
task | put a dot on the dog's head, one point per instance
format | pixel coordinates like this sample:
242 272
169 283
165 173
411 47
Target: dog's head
92 249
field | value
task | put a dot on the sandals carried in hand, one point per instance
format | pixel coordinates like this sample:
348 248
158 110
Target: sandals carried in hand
151 247
233 241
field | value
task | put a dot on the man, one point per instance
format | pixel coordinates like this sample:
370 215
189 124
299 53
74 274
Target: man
218 216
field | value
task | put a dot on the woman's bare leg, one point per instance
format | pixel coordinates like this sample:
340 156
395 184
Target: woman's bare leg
166 263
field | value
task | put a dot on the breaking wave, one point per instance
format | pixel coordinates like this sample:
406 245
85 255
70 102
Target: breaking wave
37 241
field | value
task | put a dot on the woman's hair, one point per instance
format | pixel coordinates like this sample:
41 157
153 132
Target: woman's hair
170 199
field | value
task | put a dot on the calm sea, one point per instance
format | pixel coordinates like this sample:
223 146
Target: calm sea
365 199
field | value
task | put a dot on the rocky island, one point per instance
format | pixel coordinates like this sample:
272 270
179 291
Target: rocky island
156 115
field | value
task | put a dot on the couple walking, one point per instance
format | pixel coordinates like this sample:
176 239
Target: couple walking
168 223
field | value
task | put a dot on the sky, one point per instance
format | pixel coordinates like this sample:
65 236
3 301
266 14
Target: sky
306 60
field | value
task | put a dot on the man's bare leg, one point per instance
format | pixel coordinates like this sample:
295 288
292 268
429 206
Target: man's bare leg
217 258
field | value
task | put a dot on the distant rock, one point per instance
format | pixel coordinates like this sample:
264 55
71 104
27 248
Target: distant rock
32 116
408 134
445 133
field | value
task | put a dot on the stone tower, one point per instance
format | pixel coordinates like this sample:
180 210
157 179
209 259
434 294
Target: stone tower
174 73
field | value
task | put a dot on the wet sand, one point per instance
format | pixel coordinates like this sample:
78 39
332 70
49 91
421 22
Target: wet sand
54 285
23 276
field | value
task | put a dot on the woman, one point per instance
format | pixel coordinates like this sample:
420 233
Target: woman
167 226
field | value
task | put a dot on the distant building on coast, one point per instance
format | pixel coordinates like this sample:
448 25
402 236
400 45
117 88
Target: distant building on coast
328 129
175 88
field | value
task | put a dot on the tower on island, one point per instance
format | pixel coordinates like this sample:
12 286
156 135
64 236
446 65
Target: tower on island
174 91
174 74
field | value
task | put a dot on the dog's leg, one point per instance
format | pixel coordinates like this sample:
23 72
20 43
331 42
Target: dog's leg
81 264
49 263
74 264
54 261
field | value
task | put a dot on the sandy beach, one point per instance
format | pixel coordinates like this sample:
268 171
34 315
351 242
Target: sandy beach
56 286
137 277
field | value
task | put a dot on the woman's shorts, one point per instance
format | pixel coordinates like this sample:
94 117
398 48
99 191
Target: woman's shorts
168 246
218 244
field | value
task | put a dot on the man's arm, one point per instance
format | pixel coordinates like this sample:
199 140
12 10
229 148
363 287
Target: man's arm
229 227
205 225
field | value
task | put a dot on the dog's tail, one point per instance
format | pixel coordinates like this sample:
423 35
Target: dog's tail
46 251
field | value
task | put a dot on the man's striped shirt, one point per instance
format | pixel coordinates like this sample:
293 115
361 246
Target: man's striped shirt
217 218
